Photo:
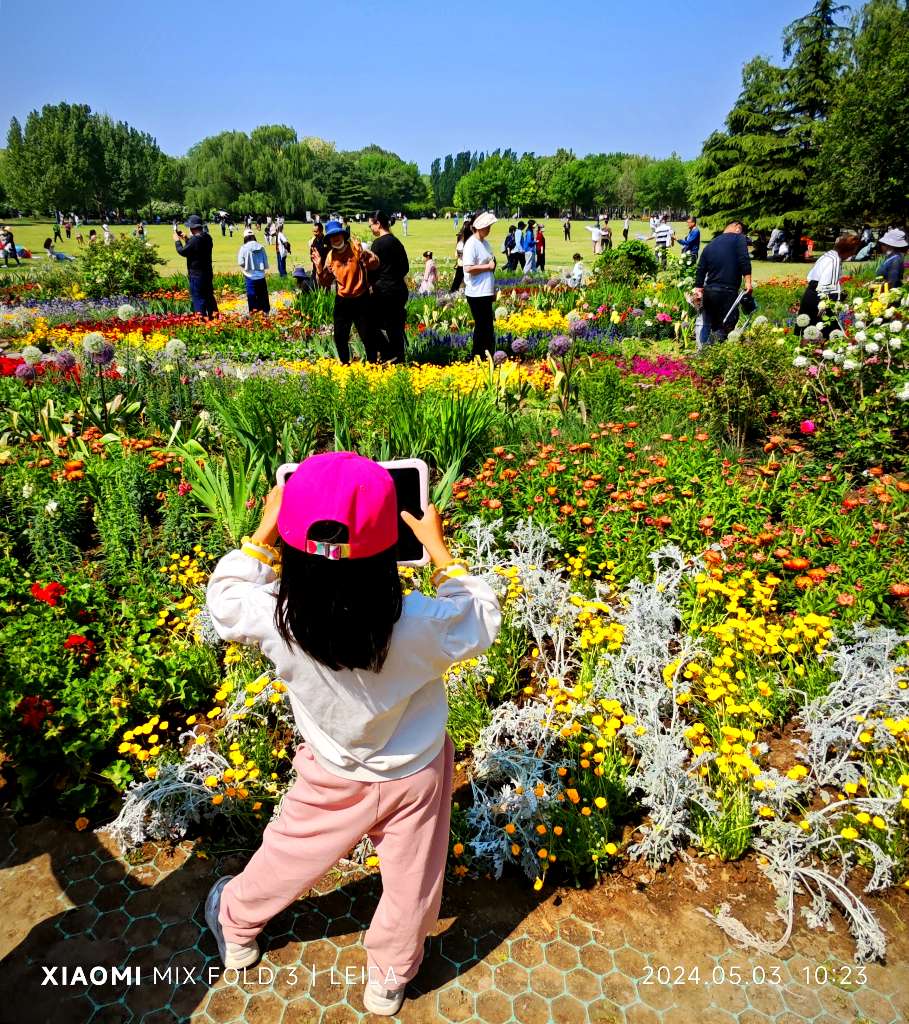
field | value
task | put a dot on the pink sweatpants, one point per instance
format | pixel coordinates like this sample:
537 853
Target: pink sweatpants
323 817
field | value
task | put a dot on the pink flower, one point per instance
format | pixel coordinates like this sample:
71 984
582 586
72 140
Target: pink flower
807 427
184 488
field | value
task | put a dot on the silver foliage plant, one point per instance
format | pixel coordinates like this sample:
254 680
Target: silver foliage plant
165 806
866 690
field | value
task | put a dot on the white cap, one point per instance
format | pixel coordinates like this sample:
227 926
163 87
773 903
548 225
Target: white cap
895 237
484 220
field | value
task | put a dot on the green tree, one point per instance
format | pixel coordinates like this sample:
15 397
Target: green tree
864 158
761 167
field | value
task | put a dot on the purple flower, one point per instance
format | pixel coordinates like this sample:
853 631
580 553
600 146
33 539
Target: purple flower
25 372
104 355
519 346
559 345
65 359
499 357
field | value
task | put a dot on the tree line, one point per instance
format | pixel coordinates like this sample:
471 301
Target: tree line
817 141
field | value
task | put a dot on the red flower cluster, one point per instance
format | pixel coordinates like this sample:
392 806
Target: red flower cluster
81 644
33 711
49 594
8 366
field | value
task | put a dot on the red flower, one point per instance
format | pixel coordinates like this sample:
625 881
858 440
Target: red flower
50 594
34 710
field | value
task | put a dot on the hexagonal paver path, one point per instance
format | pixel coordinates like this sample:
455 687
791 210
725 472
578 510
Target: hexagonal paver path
88 938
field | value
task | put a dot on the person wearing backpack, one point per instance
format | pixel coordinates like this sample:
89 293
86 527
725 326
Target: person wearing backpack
347 265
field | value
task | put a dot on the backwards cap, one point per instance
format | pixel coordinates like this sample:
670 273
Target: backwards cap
345 488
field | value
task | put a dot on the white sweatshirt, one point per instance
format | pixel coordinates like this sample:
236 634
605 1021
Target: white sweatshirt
370 726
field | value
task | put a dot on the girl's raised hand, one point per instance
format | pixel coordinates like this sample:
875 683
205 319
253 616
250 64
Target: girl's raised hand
428 532
267 533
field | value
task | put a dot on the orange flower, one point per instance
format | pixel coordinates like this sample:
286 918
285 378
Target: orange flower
796 564
899 589
81 824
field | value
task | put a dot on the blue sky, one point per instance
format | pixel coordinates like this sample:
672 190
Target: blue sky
423 79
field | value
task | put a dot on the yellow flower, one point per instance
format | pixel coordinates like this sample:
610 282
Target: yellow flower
211 781
611 849
538 884
515 849
600 801
849 833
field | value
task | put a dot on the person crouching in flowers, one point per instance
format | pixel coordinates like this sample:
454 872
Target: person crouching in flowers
346 264
363 667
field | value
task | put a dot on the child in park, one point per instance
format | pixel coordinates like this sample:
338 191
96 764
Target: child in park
363 666
430 280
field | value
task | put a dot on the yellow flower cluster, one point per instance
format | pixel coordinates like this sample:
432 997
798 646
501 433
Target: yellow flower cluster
460 377
526 320
186 572
598 629
132 742
513 578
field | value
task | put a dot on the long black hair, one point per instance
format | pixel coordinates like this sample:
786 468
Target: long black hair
340 612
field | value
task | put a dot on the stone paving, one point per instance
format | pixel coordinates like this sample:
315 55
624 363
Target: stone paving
499 953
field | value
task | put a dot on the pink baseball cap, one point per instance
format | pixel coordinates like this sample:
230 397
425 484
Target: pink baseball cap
345 488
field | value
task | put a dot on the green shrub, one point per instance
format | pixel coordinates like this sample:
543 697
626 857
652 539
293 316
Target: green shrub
747 378
628 264
125 267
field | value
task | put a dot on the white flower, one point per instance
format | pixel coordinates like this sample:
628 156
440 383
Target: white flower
126 311
759 321
877 321
850 364
872 347
836 335
828 353
811 333
822 305
27 490
878 336
734 336
502 312
802 320
857 303
895 343
799 362
175 349
859 325
896 326
861 337
32 355
890 312
93 343
51 507
903 393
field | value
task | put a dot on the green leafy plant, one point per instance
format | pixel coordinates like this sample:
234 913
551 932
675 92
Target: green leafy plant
125 267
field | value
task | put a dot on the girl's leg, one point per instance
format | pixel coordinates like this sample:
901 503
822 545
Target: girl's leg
411 839
323 817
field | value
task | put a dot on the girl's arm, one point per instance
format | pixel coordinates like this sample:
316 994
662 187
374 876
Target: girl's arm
240 596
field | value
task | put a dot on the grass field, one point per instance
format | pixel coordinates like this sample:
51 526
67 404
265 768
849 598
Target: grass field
437 235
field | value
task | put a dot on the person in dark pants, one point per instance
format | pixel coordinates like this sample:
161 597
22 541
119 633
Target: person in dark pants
319 246
253 260
347 265
389 288
480 285
196 250
8 245
723 265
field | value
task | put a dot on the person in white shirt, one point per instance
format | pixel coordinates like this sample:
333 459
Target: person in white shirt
282 250
664 236
596 236
362 665
823 283
252 257
480 285
626 223
578 273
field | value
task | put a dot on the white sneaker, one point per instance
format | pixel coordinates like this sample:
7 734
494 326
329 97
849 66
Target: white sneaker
382 1002
234 955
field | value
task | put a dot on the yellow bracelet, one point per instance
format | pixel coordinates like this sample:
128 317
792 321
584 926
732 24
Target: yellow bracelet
248 541
451 570
260 556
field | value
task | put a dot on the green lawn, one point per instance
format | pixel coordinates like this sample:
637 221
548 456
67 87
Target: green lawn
437 235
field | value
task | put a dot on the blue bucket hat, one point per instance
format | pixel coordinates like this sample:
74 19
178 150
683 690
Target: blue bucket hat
333 227
194 221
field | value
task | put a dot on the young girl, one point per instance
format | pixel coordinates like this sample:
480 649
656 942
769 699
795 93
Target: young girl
363 666
430 275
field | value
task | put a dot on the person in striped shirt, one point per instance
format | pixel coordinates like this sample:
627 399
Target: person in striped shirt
824 279
663 236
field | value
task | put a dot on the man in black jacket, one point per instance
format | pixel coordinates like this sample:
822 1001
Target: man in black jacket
723 265
196 250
